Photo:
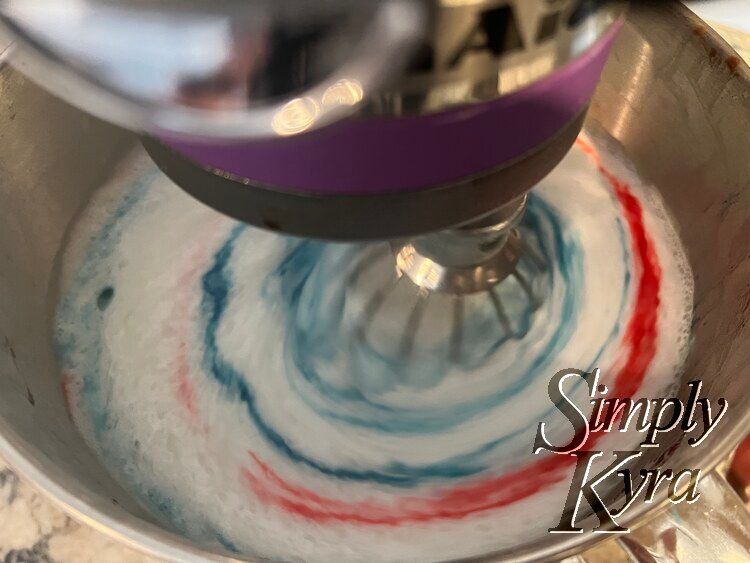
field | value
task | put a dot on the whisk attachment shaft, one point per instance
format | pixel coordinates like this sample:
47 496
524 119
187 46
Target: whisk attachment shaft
428 274
471 259
455 294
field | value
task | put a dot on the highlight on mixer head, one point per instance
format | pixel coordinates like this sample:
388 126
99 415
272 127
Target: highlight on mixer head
282 68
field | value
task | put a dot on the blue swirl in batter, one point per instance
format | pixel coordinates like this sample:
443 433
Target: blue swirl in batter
295 271
80 349
83 351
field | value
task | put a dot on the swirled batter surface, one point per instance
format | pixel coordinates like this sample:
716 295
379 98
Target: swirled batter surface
217 370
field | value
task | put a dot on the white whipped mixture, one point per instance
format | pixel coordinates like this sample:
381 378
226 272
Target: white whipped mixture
214 369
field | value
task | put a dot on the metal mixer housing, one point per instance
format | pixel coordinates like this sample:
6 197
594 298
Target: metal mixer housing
340 121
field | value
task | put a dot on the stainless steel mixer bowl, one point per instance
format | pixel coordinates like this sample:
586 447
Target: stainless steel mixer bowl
674 95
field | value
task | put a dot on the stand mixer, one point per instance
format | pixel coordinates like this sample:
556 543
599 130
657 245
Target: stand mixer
421 124
453 111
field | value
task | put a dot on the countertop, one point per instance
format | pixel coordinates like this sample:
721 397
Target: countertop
32 530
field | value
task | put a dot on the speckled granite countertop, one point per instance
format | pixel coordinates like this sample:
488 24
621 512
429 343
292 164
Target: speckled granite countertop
32 530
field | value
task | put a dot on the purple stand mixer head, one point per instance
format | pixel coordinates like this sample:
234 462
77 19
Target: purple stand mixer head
415 167
381 156
453 109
